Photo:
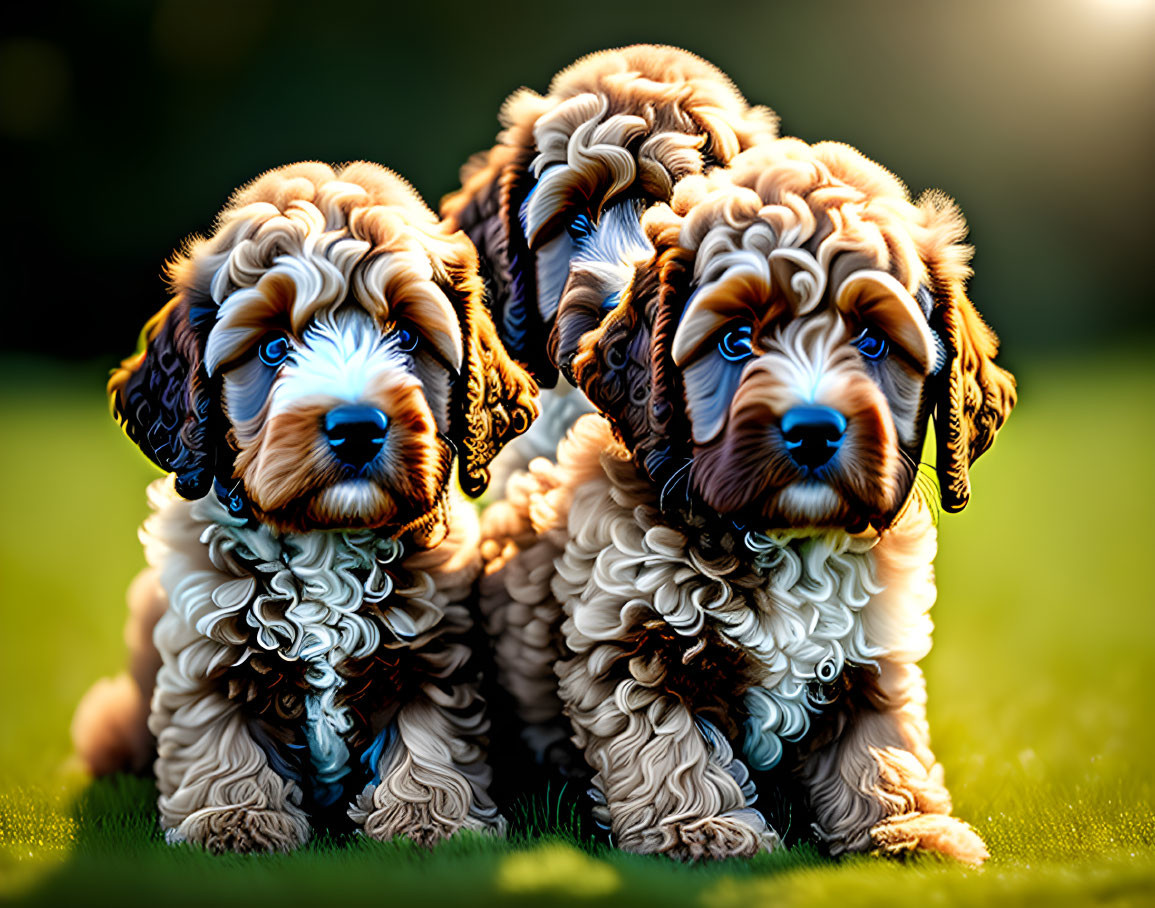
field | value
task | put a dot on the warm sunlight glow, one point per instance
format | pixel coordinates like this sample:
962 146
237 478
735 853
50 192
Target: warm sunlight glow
1124 4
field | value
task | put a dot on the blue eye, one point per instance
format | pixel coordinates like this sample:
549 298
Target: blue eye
737 345
580 227
274 350
871 345
406 340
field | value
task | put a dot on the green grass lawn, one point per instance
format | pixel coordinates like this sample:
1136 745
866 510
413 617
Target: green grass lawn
1040 698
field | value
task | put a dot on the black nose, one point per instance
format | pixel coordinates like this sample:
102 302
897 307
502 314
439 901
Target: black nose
812 434
356 433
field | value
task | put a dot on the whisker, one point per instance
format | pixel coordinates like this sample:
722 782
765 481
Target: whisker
926 485
670 483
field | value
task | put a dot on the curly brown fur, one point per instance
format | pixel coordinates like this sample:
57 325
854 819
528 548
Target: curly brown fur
325 356
699 527
617 128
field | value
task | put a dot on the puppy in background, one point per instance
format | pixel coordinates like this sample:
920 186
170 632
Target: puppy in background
731 566
325 356
554 207
555 210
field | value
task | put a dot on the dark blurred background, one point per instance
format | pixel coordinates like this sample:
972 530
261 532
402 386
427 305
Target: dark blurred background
126 123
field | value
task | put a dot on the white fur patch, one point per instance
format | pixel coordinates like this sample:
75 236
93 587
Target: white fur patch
803 621
816 588
340 357
302 595
807 501
615 246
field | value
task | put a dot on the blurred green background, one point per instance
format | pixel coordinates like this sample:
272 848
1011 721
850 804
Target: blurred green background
126 123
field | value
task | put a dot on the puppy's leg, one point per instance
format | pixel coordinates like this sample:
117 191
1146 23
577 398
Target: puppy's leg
216 786
523 620
433 776
668 787
521 615
872 780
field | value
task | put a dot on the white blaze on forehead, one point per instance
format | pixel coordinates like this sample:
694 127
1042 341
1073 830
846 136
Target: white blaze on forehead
617 239
804 356
341 357
611 251
808 354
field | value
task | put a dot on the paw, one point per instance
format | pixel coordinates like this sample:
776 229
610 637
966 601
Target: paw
241 829
929 832
718 838
422 814
416 822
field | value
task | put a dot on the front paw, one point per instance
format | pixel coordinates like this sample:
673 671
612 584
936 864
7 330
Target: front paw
929 832
415 822
241 829
718 838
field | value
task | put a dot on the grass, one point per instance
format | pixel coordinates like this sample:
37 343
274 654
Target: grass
1039 682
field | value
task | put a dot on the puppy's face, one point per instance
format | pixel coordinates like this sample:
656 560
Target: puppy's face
804 410
779 357
565 190
323 347
343 425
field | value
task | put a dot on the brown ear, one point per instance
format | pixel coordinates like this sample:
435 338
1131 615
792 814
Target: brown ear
494 184
161 398
975 396
624 366
608 358
496 398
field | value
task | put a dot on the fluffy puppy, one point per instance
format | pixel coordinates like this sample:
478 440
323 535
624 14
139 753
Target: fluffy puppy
736 553
554 207
555 210
325 355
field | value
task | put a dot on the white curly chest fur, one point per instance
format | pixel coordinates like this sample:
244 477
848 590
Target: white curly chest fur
298 595
813 603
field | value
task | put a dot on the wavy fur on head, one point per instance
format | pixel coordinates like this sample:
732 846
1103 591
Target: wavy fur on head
716 600
289 252
554 206
325 356
798 250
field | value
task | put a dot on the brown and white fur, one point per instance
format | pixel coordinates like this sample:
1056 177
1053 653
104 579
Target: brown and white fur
554 207
308 607
680 588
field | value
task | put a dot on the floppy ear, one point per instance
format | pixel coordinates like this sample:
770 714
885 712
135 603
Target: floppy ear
974 396
494 185
161 398
624 366
608 358
496 398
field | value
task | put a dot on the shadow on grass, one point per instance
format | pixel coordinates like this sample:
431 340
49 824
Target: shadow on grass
551 856
120 858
